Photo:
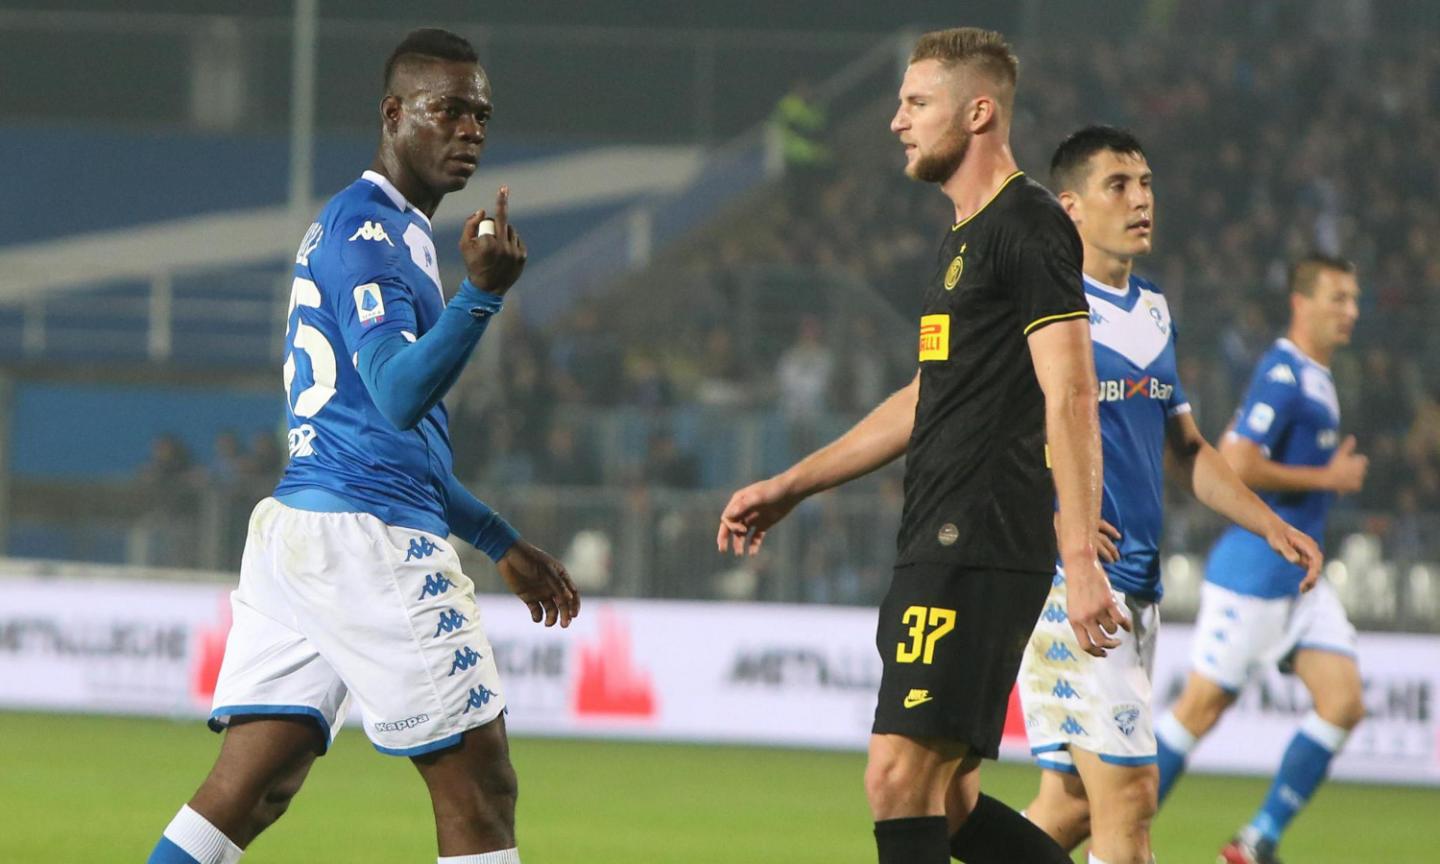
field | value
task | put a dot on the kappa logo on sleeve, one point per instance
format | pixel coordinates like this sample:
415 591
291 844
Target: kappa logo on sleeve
369 305
371 231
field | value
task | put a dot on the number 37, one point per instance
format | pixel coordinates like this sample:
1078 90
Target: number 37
940 622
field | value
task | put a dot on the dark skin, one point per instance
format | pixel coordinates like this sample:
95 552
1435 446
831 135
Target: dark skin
431 136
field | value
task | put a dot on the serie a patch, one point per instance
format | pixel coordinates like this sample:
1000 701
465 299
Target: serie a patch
369 305
934 337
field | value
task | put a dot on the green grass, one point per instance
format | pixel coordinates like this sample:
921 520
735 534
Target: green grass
100 789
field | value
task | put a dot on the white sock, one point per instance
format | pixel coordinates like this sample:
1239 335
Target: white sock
1174 734
201 840
503 856
1323 732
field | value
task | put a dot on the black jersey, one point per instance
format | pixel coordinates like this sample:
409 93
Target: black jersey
978 490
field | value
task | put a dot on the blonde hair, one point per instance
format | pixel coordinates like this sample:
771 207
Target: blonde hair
982 51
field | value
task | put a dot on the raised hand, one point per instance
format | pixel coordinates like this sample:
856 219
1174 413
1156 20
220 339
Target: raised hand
494 254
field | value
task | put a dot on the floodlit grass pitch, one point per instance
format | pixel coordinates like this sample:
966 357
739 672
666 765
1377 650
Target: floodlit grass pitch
100 789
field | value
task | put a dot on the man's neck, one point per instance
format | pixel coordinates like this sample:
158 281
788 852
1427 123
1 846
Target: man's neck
1108 269
387 166
980 176
1311 348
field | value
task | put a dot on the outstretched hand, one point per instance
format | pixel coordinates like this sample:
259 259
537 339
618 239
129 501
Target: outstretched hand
494 254
750 514
541 583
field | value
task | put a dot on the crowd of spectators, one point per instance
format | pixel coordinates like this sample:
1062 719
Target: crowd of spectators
1269 138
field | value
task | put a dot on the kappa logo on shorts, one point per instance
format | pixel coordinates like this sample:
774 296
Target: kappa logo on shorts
1059 652
1054 614
917 697
435 585
1071 727
420 547
479 698
449 620
1063 690
464 659
402 725
1125 717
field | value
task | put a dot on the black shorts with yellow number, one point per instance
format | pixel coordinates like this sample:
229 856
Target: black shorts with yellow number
951 639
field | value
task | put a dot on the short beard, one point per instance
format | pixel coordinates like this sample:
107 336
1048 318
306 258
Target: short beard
937 167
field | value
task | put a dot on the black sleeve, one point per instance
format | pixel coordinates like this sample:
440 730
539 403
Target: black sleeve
1045 266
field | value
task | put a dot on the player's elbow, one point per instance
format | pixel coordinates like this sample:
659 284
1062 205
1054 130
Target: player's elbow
402 417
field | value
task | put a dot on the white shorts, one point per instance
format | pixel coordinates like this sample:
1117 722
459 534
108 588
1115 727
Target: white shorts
1098 704
1236 634
335 605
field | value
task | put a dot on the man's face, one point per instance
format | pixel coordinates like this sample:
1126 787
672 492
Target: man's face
1329 314
929 122
1114 210
439 132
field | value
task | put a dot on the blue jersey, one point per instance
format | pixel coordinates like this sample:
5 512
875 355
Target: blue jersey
1140 391
366 269
1291 412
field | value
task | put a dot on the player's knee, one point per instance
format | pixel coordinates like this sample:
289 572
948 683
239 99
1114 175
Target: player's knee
1139 796
1345 710
890 784
272 805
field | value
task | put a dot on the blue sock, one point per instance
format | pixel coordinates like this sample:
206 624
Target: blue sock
191 839
167 852
1173 743
1303 767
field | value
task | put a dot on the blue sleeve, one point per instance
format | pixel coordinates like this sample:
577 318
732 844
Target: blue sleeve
371 298
1267 411
471 520
407 378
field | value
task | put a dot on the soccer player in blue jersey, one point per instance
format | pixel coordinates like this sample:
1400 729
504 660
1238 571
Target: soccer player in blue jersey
1088 718
1284 441
349 588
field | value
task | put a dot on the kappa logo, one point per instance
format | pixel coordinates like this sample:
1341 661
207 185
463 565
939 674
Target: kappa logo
1281 374
435 585
464 659
1125 717
1063 690
1072 727
917 697
420 547
479 698
1059 652
1054 614
371 231
450 620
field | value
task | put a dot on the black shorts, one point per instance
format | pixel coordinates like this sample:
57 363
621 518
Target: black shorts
951 639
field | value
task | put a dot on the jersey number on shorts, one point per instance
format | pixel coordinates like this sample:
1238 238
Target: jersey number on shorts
940 622
303 337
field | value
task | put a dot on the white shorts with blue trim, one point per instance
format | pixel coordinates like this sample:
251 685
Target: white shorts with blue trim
1237 634
1097 704
335 606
